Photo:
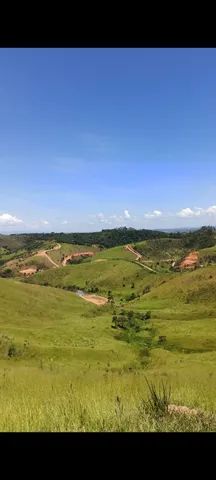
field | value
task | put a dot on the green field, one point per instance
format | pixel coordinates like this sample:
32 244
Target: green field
68 365
64 368
115 275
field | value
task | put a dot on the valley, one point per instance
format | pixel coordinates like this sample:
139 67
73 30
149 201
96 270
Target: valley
83 333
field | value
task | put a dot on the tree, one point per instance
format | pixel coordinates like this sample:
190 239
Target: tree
110 296
114 321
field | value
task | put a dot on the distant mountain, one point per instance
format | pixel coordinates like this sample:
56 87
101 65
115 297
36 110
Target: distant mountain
174 230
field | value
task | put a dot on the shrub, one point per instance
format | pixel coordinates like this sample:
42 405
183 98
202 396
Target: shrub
6 273
162 339
130 297
12 351
158 400
146 289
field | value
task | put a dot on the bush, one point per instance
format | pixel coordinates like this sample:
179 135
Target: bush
6 273
146 289
158 400
130 297
12 351
129 320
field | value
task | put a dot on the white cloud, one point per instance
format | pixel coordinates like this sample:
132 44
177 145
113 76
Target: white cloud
111 219
186 212
102 219
197 211
45 222
211 210
6 220
65 222
126 214
155 213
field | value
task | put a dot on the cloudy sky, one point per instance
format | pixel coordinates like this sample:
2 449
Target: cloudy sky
98 138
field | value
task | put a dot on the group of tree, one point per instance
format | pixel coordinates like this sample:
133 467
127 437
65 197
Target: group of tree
130 320
204 237
6 273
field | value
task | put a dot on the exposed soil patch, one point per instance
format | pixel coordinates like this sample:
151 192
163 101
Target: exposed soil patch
190 260
95 299
182 409
28 271
75 255
100 260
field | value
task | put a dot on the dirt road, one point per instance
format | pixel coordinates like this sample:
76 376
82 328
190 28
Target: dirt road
43 253
131 249
74 255
138 257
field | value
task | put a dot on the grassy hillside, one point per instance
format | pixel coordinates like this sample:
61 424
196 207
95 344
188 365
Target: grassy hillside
115 253
69 249
161 249
116 275
62 366
29 242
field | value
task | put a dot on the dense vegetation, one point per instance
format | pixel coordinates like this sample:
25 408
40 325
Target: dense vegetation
204 237
106 238
178 243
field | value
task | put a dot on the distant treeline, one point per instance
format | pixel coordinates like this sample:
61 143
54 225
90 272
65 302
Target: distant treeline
204 237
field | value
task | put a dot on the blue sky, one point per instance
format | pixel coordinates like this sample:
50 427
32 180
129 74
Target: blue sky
98 138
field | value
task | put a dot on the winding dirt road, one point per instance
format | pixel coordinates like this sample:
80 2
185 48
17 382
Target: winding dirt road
131 249
74 255
138 257
43 253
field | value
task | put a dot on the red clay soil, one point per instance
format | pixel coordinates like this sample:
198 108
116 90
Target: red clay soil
79 254
190 260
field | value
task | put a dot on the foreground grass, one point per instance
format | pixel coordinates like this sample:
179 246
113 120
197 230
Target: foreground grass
42 401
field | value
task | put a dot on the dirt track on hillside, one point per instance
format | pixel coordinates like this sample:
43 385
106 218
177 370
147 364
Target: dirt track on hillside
43 253
138 257
131 249
74 255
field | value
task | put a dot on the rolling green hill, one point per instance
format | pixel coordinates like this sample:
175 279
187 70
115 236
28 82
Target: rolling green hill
62 366
116 275
69 249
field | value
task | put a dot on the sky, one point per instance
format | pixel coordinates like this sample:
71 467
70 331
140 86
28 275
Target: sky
102 138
